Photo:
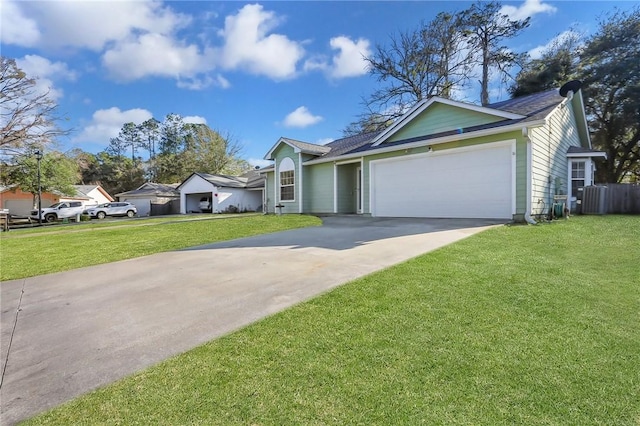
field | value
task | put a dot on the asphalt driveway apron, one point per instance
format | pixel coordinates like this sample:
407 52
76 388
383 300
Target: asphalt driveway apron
68 333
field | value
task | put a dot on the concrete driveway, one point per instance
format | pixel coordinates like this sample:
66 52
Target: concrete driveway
65 334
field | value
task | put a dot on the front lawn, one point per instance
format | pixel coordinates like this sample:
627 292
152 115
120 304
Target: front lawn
29 253
516 325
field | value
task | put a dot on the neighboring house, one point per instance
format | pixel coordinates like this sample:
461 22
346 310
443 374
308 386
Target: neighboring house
443 158
225 193
21 203
91 195
153 199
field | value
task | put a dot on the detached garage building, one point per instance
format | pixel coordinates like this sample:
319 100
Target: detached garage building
443 159
233 194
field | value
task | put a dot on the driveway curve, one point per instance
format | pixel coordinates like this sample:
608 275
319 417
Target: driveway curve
68 333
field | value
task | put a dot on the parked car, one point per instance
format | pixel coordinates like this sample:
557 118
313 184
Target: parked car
61 210
205 205
112 209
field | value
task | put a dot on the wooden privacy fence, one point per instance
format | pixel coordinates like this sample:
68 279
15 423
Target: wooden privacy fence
614 198
623 198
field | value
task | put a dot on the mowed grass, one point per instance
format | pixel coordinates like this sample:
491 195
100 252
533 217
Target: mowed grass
35 253
516 325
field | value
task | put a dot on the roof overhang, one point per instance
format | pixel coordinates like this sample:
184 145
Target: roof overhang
586 155
296 149
423 105
435 141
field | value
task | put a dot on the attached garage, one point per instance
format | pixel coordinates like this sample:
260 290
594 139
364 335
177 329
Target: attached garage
470 182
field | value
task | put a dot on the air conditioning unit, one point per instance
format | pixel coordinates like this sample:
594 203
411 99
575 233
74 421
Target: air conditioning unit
594 200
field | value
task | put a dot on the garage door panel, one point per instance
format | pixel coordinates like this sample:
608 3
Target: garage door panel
476 183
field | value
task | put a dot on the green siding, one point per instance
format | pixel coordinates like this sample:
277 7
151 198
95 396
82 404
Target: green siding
269 194
441 118
279 154
549 164
318 193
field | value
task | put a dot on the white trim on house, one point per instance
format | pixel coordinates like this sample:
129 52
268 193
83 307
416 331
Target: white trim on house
435 141
586 154
301 183
421 106
287 168
335 187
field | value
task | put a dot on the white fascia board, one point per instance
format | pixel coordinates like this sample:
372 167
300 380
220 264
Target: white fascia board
586 154
421 106
418 144
269 155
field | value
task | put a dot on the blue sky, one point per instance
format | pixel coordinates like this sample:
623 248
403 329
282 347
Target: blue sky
254 71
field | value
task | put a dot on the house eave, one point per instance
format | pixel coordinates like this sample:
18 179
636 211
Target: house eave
586 154
427 142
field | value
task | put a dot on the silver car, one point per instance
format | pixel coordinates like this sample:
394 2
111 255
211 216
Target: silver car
112 209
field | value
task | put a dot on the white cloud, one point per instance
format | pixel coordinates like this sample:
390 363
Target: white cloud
259 162
199 83
16 28
527 9
301 117
45 71
248 46
194 119
93 24
137 58
536 52
106 124
324 141
349 61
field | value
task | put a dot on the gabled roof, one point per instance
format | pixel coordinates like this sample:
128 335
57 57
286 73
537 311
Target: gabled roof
514 114
86 189
153 189
298 146
250 179
421 106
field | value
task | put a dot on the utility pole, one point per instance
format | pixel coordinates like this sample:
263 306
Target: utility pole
38 155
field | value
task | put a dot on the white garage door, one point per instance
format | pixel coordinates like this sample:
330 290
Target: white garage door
473 182
143 205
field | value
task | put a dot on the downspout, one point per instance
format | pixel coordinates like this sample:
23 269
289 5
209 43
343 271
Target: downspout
527 211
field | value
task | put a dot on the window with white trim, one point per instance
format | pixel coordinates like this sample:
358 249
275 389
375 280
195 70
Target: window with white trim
577 176
287 180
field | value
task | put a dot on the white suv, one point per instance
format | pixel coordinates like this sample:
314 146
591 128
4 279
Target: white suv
62 210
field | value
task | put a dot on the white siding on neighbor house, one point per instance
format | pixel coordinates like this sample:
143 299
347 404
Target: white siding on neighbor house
195 185
97 197
549 157
143 204
242 199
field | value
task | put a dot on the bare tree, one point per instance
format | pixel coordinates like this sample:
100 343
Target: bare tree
27 117
485 28
427 61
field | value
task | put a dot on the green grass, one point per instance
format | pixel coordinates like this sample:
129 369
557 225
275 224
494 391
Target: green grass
26 254
516 325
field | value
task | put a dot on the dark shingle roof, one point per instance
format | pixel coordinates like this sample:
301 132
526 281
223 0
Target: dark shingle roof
533 107
250 179
309 148
349 144
152 188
